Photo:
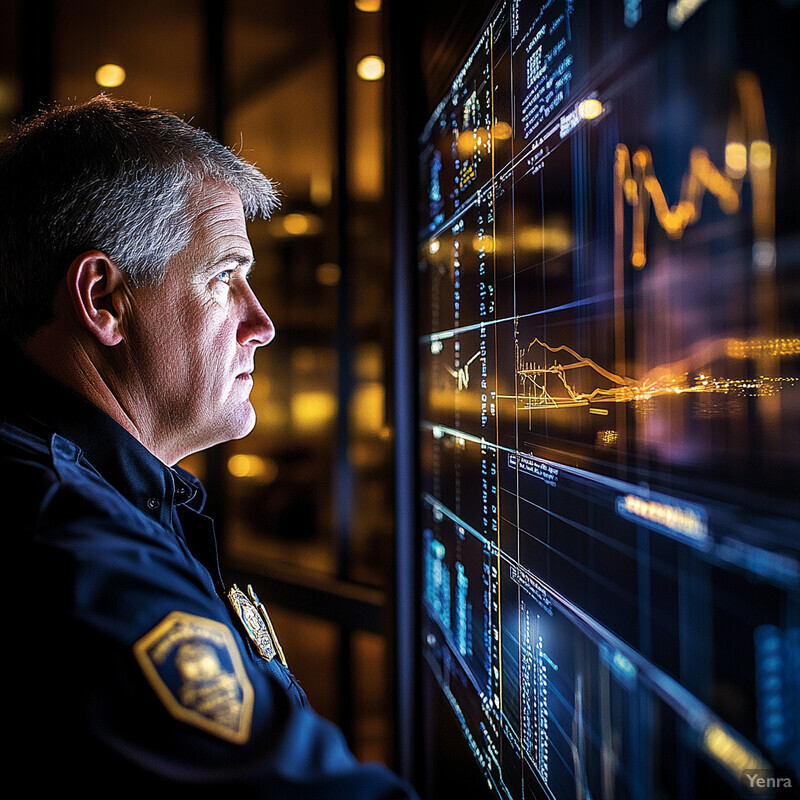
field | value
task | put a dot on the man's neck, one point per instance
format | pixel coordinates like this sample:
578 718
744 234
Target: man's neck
67 360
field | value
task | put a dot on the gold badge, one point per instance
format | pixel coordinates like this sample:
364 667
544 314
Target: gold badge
194 667
256 623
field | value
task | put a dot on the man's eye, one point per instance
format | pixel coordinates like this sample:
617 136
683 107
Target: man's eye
224 276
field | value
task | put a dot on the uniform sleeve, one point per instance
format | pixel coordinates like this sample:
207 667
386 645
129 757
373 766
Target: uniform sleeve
141 681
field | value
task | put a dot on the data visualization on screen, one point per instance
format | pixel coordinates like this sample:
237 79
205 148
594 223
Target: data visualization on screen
609 349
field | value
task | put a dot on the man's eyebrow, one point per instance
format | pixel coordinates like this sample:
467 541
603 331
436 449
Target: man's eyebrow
241 262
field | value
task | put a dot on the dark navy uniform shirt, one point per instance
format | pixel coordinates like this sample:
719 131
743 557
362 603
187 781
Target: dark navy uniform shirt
133 669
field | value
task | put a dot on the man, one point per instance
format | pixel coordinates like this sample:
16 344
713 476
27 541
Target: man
131 331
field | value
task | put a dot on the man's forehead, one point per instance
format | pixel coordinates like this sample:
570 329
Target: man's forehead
218 234
216 202
218 221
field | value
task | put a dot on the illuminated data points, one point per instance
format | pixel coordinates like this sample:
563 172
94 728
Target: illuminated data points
483 244
758 348
607 438
471 141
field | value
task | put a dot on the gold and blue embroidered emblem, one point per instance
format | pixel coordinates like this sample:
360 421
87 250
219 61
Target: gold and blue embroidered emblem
194 666
256 622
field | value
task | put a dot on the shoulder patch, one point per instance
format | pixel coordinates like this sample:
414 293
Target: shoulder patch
195 668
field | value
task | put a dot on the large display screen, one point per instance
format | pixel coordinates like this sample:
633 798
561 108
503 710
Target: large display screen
609 349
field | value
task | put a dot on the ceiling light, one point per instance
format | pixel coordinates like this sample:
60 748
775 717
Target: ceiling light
328 274
369 6
295 224
370 68
110 75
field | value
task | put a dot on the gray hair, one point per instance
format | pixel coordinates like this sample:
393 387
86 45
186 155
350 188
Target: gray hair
106 175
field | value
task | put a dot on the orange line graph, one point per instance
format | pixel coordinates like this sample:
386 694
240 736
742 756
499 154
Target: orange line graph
747 154
543 370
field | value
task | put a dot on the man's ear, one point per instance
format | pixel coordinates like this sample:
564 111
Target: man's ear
95 286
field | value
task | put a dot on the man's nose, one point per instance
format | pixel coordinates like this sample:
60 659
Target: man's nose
256 327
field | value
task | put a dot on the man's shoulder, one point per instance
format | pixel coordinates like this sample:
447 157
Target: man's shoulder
43 476
22 441
27 470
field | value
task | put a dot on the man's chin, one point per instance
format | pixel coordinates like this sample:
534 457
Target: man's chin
235 427
244 423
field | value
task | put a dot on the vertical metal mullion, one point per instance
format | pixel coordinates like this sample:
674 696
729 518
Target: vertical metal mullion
403 74
343 472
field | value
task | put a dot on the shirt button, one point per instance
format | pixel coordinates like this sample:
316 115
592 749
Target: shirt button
153 503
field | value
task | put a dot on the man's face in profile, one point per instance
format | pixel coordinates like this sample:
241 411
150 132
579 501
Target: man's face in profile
192 340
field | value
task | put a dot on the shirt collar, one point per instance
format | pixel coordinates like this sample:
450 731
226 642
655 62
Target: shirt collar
118 456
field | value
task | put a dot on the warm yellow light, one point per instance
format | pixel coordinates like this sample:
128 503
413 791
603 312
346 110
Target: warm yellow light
110 75
607 438
483 244
590 108
636 177
368 407
678 11
241 465
368 6
501 130
299 224
552 238
308 359
9 96
732 753
465 144
370 68
328 274
320 190
312 410
295 224
763 348
433 247
760 155
736 159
